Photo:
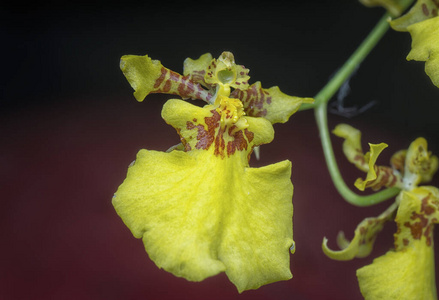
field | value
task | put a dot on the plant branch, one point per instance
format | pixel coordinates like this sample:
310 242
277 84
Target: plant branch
320 112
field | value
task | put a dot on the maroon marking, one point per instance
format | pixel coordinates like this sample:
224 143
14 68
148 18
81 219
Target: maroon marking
425 9
425 207
167 86
250 135
159 81
214 134
239 143
187 146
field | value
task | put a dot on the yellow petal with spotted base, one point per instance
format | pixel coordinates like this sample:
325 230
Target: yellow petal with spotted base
203 211
408 271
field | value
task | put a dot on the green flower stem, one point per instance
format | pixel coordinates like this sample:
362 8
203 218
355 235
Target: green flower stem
320 111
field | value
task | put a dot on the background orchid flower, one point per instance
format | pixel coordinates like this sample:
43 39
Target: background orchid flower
407 272
200 209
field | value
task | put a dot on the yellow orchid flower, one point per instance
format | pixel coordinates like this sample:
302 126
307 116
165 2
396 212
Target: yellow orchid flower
199 208
407 272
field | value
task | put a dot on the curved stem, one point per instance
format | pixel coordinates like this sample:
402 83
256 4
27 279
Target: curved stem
320 111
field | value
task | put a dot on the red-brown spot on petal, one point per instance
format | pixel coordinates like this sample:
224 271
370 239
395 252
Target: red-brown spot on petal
239 143
159 80
425 9
250 135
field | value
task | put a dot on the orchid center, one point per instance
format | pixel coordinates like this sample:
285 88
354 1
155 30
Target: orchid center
231 111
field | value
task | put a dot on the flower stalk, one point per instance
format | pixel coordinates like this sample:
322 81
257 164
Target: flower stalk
320 113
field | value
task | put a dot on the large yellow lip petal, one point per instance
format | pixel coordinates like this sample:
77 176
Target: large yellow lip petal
408 271
200 213
407 274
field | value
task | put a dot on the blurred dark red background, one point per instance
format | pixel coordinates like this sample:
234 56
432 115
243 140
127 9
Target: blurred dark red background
70 127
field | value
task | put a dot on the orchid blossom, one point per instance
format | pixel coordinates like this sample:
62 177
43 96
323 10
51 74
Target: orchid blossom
199 208
407 272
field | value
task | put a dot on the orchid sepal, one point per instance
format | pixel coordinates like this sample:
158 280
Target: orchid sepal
146 76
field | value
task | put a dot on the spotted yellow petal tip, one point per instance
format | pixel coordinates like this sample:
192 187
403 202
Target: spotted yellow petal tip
422 10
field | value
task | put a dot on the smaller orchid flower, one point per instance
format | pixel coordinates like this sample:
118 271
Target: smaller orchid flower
199 208
407 272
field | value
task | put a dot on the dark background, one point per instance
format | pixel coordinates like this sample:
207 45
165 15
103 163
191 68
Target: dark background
70 126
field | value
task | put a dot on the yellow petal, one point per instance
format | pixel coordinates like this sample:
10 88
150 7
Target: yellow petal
378 176
196 68
225 71
402 275
352 145
407 272
417 213
397 161
422 10
271 104
364 238
203 211
420 165
425 46
150 76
